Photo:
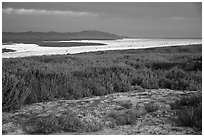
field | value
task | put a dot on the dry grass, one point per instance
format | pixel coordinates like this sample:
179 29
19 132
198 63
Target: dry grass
66 122
189 111
43 78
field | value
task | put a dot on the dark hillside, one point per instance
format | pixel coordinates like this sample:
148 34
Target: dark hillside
30 37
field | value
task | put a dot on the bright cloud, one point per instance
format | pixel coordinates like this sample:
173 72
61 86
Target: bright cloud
46 12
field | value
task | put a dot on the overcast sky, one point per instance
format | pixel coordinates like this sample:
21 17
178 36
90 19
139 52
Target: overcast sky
126 19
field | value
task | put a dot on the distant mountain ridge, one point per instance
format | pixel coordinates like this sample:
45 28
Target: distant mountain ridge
42 36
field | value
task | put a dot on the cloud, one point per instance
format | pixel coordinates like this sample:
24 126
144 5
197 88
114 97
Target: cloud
46 12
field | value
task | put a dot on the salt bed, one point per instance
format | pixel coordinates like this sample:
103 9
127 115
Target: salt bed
23 50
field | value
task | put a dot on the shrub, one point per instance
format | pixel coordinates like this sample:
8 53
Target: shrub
125 104
193 66
163 65
151 83
189 111
14 92
191 100
165 83
127 117
151 107
68 122
119 86
190 117
136 80
41 125
92 126
132 63
176 73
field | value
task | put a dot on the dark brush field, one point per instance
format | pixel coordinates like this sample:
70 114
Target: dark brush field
7 50
31 80
67 44
36 79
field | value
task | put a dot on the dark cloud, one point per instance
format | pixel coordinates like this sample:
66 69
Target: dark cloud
133 19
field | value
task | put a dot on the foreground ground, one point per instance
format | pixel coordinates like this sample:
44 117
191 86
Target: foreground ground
140 111
106 92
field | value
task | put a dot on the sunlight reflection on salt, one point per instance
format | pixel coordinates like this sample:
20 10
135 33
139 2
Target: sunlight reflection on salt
23 50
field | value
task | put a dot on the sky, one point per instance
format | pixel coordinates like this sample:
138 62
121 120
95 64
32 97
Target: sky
134 19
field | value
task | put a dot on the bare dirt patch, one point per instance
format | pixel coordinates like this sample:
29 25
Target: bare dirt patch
144 111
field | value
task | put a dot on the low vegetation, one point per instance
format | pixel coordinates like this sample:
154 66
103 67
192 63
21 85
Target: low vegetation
66 122
7 50
29 80
151 107
127 117
67 44
189 111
